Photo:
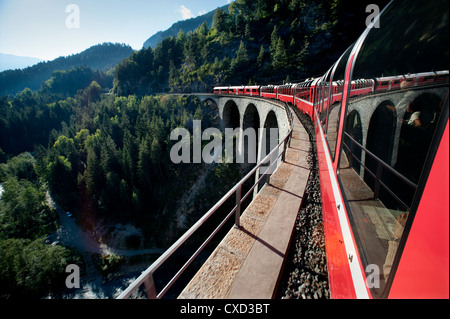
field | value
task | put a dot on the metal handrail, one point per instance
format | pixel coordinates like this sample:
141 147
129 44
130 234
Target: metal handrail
146 277
380 164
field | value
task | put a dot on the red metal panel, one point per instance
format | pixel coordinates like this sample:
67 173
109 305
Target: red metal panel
339 275
286 98
423 271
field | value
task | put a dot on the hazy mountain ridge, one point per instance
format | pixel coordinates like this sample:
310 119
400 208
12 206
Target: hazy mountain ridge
98 57
12 62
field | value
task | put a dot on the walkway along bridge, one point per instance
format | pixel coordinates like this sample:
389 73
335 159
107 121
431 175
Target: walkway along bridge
248 262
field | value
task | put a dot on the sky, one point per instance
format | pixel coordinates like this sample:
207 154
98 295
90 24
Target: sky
47 29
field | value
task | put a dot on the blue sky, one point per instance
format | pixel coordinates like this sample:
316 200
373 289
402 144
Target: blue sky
37 28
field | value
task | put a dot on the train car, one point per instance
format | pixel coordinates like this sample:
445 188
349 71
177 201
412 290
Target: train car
269 91
441 77
337 89
304 96
362 87
236 90
253 90
388 83
384 177
286 93
221 90
419 79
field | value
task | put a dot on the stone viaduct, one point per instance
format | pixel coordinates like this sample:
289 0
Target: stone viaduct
250 112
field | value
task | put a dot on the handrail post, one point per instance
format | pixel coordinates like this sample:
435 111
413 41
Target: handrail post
150 287
350 160
377 181
238 207
283 155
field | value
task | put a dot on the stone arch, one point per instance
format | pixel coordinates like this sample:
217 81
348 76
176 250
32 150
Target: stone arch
250 126
353 126
251 117
270 141
231 116
380 137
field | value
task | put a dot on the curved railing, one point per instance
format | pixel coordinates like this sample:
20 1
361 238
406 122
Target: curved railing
146 277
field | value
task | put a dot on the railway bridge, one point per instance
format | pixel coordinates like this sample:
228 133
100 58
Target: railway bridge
242 111
248 261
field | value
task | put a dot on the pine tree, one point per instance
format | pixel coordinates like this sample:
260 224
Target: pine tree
219 20
241 59
274 40
279 58
261 56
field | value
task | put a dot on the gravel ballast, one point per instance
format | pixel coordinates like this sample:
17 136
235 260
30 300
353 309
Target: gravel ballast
305 273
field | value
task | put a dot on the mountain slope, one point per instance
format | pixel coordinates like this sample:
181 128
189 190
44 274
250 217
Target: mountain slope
11 62
185 25
99 57
257 41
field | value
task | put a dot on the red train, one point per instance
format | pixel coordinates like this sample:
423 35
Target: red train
383 149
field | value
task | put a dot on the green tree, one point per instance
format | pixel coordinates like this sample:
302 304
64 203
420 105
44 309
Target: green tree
279 57
144 166
24 212
261 56
219 20
32 268
241 60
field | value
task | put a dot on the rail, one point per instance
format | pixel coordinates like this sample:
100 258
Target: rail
146 277
377 175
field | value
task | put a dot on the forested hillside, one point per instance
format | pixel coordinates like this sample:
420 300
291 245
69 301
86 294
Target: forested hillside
185 25
257 41
105 159
101 57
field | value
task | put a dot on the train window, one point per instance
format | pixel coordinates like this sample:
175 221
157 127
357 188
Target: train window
335 107
323 91
388 134
326 103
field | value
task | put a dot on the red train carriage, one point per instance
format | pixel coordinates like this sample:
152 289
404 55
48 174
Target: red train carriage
441 77
337 89
221 90
362 87
388 83
236 90
385 180
286 93
252 90
304 96
269 91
